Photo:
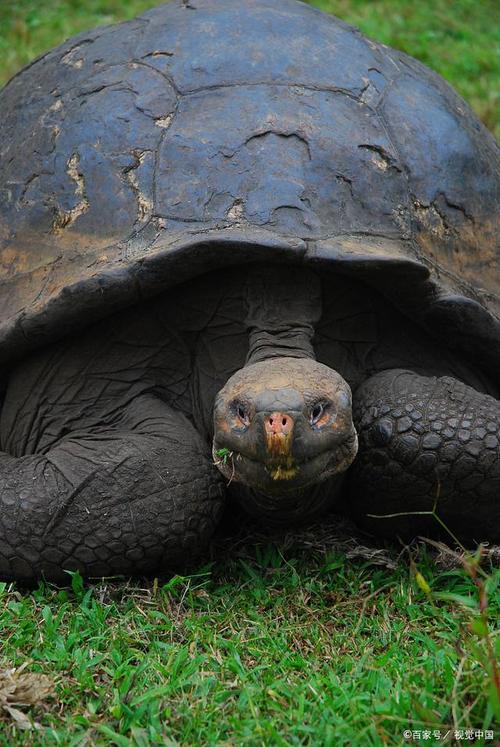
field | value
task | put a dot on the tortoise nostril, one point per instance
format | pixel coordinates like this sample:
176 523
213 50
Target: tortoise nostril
278 423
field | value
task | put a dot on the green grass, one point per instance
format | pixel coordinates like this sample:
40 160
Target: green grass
458 38
266 647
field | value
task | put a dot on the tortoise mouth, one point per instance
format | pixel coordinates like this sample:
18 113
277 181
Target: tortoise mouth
286 476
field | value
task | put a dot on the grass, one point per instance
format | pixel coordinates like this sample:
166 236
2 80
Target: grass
460 39
266 647
268 644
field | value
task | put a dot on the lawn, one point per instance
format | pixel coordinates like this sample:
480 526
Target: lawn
306 639
271 643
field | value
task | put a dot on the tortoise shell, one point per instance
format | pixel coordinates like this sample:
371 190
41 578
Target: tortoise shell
206 133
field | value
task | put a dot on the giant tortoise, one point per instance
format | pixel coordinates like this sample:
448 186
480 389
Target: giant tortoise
248 257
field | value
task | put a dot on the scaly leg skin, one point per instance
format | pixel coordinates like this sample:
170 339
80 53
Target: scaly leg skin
136 497
426 442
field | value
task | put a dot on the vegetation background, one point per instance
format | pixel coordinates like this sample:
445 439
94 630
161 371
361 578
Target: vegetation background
460 39
306 639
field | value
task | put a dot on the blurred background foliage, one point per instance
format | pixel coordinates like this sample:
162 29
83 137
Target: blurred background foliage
460 39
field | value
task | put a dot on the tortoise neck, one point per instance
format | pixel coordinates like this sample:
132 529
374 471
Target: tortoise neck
283 306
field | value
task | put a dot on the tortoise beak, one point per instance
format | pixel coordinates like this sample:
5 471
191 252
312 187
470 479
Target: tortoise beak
278 429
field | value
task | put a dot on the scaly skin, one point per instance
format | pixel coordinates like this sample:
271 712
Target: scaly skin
426 442
139 496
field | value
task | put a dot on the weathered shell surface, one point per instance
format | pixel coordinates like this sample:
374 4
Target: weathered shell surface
209 132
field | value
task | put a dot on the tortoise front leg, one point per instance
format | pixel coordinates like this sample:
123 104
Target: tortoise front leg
426 442
138 496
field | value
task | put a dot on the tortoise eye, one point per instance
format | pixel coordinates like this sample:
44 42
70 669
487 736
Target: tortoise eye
317 411
242 413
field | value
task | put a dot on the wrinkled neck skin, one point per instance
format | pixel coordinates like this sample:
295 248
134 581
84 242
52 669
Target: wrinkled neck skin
283 306
300 506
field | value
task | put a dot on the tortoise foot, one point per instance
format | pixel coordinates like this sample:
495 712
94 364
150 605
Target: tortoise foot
426 446
139 496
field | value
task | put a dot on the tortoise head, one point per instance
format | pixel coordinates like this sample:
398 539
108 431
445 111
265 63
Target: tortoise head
281 427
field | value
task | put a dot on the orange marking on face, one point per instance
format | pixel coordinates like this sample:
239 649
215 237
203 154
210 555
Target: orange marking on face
284 472
324 420
278 445
223 426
